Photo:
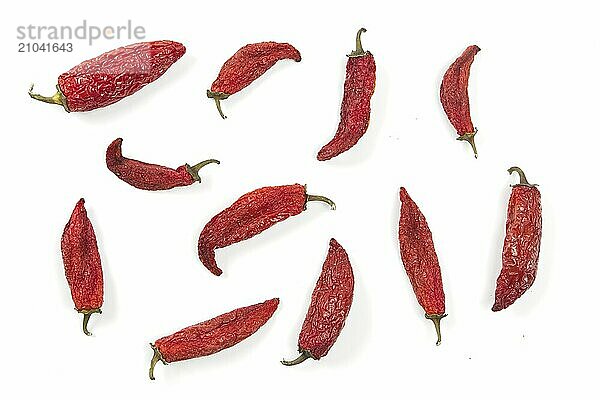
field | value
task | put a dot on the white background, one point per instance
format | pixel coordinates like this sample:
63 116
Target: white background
534 95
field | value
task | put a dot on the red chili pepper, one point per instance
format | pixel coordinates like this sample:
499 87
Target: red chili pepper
250 215
212 336
420 261
454 95
329 306
356 105
150 176
522 242
246 65
112 76
83 268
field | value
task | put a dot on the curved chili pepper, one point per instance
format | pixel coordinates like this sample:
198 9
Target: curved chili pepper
521 251
212 336
83 268
329 306
246 65
420 261
150 176
454 95
250 215
112 76
356 104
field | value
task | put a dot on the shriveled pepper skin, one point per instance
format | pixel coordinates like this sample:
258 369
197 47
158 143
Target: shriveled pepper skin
214 335
150 176
329 306
246 65
420 260
250 215
521 251
454 95
359 87
114 75
81 260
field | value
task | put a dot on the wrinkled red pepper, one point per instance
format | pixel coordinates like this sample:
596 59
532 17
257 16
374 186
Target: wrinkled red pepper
329 306
250 215
521 251
83 268
212 336
246 65
356 104
454 96
420 261
150 176
112 76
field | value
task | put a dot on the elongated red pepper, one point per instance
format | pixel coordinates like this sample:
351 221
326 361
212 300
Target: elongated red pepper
150 176
112 76
212 336
454 96
420 261
329 306
250 215
246 65
356 104
83 268
521 251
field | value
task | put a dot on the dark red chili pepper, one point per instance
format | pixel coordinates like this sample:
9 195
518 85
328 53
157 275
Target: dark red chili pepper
112 76
212 336
150 176
83 268
454 95
329 306
246 65
250 215
356 104
420 261
522 242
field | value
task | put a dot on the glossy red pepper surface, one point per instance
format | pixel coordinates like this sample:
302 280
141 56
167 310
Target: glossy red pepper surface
212 336
83 267
420 260
521 251
114 75
250 215
150 176
355 115
454 96
329 306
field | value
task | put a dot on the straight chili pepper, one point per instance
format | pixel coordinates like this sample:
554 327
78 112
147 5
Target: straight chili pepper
420 261
112 76
454 96
250 215
329 306
521 251
83 268
356 104
246 65
150 176
212 336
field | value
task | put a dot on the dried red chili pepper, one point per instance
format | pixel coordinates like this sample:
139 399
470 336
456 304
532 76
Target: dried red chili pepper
454 95
212 336
83 268
356 104
246 65
150 176
112 76
420 261
250 215
521 250
329 306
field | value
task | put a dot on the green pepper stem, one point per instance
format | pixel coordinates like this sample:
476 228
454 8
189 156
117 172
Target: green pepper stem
469 137
86 318
522 178
217 96
359 49
304 355
156 357
58 98
193 170
435 318
313 197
